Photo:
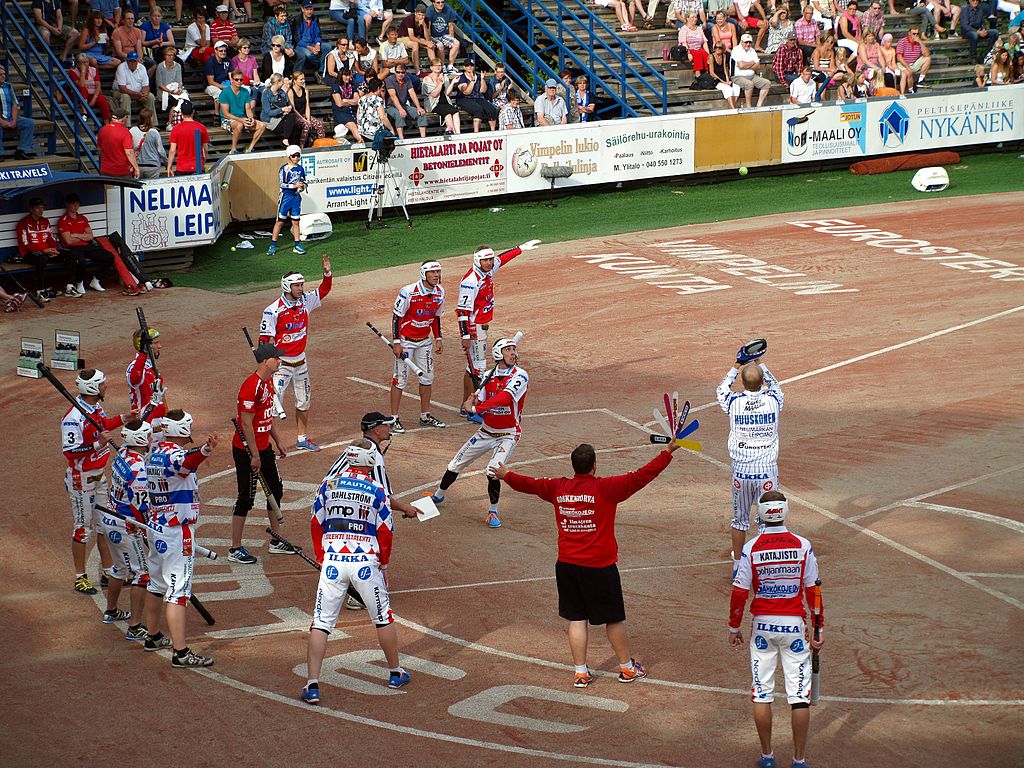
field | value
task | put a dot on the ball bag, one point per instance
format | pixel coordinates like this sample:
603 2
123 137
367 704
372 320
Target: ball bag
932 179
314 226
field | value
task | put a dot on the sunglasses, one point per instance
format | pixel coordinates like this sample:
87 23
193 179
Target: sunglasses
276 45
243 47
295 155
236 79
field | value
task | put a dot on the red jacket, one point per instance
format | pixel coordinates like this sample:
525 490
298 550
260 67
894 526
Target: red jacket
585 507
34 235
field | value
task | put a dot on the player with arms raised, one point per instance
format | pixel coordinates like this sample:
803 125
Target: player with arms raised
500 402
285 324
146 386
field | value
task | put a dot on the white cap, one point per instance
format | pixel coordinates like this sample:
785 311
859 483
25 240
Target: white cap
294 149
222 9
483 253
220 44
934 179
745 38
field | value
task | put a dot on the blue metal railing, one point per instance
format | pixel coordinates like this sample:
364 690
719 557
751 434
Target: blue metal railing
46 75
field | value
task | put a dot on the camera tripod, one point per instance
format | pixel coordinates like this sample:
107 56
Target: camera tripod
385 183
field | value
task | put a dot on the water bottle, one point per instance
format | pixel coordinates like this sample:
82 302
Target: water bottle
664 54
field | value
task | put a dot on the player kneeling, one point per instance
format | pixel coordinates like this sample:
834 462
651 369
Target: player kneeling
352 536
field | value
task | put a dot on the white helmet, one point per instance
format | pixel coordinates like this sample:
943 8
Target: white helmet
499 347
359 453
178 428
292 278
429 266
483 253
772 512
90 385
138 438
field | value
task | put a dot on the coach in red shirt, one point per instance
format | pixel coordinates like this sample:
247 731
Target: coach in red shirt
77 239
117 153
589 589
36 245
188 138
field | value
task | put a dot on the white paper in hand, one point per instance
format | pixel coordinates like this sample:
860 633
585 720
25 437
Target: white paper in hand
425 508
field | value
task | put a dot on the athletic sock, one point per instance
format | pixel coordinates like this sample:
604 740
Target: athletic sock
300 438
134 627
399 670
630 665
582 669
439 493
770 754
155 638
424 414
493 508
313 683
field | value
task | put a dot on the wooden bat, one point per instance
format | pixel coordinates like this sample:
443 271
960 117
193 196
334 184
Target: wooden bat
816 622
405 355
686 431
689 445
298 551
682 417
271 500
663 423
34 295
48 375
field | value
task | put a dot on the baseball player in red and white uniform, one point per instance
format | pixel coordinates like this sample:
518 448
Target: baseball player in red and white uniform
129 496
174 513
351 527
145 387
500 402
87 452
416 329
475 309
753 441
781 569
285 324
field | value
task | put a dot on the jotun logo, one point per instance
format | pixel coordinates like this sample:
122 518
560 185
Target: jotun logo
894 125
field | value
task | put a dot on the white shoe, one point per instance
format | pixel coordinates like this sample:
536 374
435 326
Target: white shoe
71 292
95 284
80 287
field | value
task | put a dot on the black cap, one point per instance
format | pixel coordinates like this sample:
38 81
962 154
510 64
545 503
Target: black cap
374 419
267 351
186 107
71 197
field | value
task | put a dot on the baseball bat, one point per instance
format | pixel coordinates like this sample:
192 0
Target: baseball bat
686 431
670 414
271 500
663 423
33 295
682 417
199 548
405 355
690 445
298 551
816 618
277 400
471 370
48 375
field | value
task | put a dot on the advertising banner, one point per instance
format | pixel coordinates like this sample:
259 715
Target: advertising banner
824 132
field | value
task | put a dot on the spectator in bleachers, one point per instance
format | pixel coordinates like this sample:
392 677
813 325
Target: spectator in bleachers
727 9
245 63
11 119
169 80
188 143
498 86
392 53
36 246
471 96
276 109
802 88
693 44
127 38
570 102
823 58
415 34
275 62
636 7
550 108
913 54
974 25
117 153
309 48
49 19
403 107
894 75
77 239
438 90
305 122
222 28
869 58
510 118
373 10
371 114
1001 73
243 16
94 42
788 62
749 22
131 86
198 48
584 100
218 71
848 29
87 78
724 32
236 112
345 13
149 148
680 9
110 10
779 29
277 26
342 57
747 69
923 10
718 66
949 10
156 33
366 63
621 8
873 20
825 12
344 102
441 21
807 31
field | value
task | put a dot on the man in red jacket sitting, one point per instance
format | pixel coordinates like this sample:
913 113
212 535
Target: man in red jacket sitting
588 582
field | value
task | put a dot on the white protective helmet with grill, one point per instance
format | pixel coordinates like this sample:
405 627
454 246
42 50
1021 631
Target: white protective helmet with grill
772 512
292 278
429 266
90 385
138 438
483 253
178 427
499 347
359 453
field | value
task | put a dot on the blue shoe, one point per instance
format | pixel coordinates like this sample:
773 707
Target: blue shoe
766 762
800 764
397 680
311 694
307 445
299 249
493 521
272 249
437 501
241 555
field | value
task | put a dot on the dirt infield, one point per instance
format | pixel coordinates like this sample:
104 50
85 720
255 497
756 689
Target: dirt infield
901 454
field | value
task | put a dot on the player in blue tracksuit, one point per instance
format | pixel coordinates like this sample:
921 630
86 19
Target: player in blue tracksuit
292 179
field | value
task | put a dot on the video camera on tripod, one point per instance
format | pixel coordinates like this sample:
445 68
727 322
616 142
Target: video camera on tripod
383 143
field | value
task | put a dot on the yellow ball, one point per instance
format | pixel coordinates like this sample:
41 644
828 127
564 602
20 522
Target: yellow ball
743 170
233 249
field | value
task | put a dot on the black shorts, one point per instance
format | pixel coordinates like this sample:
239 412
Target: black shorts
589 594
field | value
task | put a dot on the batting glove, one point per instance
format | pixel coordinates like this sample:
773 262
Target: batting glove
529 245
